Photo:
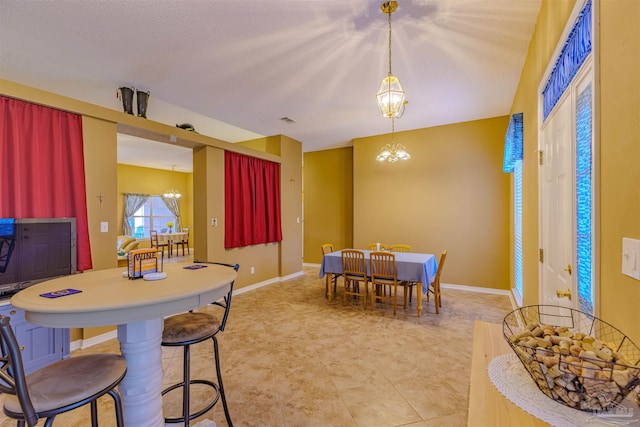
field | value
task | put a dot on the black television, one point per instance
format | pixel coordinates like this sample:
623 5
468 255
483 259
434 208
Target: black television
33 250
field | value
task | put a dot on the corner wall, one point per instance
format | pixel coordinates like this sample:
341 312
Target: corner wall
451 195
328 201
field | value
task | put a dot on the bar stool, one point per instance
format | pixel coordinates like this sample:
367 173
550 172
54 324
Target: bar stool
57 388
185 329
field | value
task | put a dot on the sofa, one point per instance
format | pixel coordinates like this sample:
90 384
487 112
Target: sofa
126 244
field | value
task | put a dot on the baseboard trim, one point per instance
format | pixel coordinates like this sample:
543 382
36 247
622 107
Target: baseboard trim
483 290
82 344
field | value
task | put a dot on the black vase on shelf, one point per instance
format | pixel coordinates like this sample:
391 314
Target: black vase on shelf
143 101
126 93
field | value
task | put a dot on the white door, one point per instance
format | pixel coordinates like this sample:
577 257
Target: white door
557 203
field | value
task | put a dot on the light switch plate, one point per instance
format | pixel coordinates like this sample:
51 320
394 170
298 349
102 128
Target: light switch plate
104 227
631 257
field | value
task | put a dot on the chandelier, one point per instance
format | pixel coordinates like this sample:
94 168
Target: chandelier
391 100
172 194
390 94
393 152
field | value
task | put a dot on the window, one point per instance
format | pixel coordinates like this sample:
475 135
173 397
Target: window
517 228
513 148
153 215
584 199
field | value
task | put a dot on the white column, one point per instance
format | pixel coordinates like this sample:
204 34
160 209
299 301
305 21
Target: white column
142 386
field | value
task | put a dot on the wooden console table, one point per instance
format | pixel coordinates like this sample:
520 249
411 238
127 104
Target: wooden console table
487 406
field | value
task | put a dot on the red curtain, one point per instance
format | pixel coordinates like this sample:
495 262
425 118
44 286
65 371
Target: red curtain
252 201
42 167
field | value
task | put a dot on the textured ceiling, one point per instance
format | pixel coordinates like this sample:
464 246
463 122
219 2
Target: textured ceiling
249 63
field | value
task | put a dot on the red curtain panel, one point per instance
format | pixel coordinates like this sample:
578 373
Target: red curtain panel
252 201
42 167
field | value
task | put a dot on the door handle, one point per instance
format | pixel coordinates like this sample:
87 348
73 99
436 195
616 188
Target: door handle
568 269
562 294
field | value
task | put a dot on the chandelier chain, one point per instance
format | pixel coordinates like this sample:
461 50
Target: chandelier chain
389 12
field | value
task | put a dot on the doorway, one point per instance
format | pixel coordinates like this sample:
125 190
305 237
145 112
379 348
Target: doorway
566 141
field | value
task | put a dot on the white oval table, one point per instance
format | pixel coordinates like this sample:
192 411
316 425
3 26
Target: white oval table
138 308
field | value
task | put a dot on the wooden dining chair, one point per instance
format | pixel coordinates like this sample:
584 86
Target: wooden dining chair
401 248
327 248
382 268
354 270
434 287
153 235
182 242
374 247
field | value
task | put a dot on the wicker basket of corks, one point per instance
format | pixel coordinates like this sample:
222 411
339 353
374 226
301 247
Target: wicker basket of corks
573 357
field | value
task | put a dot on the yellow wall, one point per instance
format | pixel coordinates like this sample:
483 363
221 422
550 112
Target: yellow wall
619 159
135 179
618 32
100 155
291 197
451 195
328 201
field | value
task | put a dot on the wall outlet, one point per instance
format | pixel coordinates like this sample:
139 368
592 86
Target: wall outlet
214 222
253 270
104 227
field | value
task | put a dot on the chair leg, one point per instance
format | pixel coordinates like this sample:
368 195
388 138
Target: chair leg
220 386
395 298
117 402
326 286
94 413
186 369
407 288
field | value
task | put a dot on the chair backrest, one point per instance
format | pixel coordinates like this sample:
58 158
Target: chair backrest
12 377
227 300
401 248
188 231
327 248
153 235
374 246
382 265
443 257
353 263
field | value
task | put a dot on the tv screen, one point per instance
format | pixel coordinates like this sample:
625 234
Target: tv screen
35 249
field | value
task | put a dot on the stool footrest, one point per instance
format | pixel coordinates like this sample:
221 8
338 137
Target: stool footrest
199 412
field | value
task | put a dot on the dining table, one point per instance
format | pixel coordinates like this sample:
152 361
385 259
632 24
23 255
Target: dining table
170 238
138 307
411 267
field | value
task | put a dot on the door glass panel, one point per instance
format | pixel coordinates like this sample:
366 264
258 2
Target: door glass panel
584 196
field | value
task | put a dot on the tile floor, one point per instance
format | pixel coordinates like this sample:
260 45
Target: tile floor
292 358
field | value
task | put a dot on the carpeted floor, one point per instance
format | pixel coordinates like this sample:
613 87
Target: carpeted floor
292 358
